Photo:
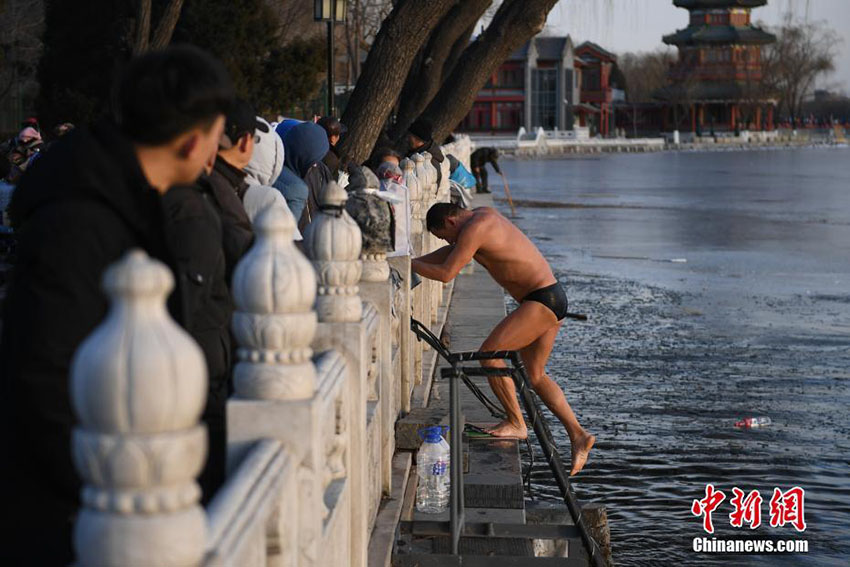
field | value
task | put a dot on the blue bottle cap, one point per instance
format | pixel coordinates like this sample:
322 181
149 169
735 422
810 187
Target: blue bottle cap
432 434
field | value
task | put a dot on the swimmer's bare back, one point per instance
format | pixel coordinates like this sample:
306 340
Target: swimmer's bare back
508 255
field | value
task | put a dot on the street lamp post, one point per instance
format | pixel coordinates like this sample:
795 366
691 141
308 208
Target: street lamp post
332 12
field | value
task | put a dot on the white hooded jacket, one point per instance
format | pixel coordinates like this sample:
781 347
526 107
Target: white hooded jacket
263 170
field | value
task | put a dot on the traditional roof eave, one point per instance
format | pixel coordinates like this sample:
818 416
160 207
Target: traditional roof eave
707 35
590 46
729 91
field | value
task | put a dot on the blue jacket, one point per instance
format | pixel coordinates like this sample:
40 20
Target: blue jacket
294 190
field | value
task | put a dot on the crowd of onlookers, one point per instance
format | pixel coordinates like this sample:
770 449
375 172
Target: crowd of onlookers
180 168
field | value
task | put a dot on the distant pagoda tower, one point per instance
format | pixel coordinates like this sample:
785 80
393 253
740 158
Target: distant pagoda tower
716 83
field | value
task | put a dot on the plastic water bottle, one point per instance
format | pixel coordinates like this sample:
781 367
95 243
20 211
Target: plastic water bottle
433 467
751 422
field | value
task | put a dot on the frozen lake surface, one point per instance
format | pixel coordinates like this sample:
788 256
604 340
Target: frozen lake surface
752 319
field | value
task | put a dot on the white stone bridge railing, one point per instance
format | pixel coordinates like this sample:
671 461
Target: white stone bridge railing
325 366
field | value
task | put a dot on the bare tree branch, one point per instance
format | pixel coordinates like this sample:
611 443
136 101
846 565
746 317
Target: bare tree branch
430 67
515 22
165 27
141 41
399 39
803 52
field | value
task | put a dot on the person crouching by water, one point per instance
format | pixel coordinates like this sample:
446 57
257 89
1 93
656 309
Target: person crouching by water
518 266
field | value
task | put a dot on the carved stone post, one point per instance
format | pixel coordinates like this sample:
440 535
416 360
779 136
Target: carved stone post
424 177
444 191
432 174
274 287
138 386
374 218
415 191
333 242
427 175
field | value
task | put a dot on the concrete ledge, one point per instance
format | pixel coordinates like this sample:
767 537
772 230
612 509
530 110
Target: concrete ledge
384 534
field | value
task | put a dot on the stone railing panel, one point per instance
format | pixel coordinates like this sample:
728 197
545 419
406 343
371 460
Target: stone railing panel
251 519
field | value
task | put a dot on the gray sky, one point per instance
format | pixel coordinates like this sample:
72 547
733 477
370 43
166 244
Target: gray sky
637 25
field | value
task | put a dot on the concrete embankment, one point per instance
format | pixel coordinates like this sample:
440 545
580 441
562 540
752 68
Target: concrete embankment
555 145
493 468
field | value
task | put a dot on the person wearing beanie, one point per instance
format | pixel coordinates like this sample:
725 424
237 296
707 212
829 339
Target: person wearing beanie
420 139
306 145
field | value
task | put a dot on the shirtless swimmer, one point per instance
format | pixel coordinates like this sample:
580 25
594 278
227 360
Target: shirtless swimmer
518 266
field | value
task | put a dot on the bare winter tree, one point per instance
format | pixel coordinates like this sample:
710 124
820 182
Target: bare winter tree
294 19
363 21
142 39
435 61
515 22
803 51
645 73
401 36
385 71
21 25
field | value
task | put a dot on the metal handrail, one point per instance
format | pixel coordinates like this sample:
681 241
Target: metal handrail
538 424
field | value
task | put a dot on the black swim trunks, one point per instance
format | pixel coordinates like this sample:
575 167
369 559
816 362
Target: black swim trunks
551 296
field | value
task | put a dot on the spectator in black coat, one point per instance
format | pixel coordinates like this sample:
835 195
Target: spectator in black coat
194 233
479 160
227 185
81 207
335 130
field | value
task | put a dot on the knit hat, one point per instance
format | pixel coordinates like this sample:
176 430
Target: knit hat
422 128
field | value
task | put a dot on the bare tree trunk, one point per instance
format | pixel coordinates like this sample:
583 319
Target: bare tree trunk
399 39
165 27
142 41
460 45
515 22
431 66
358 39
143 27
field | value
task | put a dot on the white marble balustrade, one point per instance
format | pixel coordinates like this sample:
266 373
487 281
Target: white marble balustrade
325 366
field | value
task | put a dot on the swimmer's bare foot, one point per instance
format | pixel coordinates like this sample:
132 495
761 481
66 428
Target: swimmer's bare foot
508 429
580 449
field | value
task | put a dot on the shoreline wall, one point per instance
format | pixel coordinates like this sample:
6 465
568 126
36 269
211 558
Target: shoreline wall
542 144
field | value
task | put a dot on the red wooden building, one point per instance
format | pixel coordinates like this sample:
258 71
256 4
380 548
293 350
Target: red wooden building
716 82
597 93
548 84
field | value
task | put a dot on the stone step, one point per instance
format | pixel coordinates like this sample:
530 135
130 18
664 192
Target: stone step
494 478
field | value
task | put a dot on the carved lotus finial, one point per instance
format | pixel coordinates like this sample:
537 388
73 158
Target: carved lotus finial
332 195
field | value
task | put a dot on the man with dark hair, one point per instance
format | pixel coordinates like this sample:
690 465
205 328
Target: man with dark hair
94 196
209 231
226 182
519 267
420 139
479 160
335 129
